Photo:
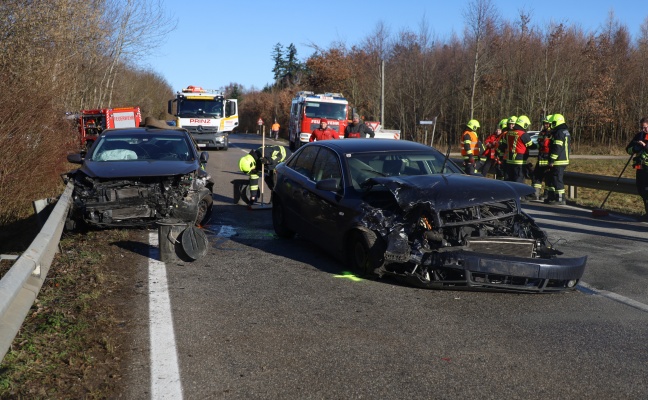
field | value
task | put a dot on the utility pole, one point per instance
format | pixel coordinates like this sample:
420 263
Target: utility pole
382 92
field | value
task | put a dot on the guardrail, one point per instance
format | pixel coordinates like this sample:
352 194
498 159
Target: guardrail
19 287
608 183
21 284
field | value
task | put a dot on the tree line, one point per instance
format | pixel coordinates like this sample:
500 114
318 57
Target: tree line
498 68
58 57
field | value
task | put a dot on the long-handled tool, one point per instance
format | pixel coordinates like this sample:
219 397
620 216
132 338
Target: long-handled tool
262 205
600 212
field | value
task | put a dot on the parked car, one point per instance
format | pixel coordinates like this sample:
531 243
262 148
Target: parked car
534 139
137 176
399 208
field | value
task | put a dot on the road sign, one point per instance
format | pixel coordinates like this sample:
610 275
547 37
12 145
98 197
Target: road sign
260 121
426 122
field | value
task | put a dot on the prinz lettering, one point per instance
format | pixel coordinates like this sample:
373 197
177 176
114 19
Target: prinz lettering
199 121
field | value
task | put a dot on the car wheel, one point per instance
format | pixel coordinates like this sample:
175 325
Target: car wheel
204 209
279 220
365 253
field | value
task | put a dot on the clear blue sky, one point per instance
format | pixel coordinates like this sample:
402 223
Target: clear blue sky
218 42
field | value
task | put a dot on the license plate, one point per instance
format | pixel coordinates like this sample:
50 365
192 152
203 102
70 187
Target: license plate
202 145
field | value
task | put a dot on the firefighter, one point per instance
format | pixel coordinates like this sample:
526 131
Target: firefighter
268 156
470 147
357 129
324 132
489 156
544 139
558 160
518 141
640 162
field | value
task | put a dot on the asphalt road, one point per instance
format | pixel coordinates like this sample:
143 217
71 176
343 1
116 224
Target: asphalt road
260 317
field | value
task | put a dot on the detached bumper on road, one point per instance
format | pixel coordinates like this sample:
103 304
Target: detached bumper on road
471 270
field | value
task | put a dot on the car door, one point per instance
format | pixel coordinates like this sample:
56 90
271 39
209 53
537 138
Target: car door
294 180
323 208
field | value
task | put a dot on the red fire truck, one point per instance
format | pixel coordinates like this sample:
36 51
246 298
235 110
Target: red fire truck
92 122
308 108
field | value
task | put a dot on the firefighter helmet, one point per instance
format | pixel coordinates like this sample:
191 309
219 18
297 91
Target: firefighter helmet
524 122
247 163
512 120
502 124
473 125
547 119
557 119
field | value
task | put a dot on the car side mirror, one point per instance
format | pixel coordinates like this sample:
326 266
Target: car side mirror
204 156
329 185
75 158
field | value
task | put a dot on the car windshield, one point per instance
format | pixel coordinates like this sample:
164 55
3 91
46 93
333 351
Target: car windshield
325 110
142 147
363 166
200 108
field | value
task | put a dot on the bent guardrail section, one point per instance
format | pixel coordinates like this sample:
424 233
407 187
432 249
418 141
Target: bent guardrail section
19 287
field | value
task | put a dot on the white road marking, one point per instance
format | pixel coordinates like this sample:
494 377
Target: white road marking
616 297
165 370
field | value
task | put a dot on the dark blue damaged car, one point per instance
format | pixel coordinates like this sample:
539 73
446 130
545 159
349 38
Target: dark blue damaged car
139 176
399 208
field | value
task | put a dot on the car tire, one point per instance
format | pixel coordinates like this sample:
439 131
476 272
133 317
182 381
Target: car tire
365 253
205 206
279 220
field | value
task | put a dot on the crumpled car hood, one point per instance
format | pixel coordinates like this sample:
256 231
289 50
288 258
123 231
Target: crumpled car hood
450 191
133 169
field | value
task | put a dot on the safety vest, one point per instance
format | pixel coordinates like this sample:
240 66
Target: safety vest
473 140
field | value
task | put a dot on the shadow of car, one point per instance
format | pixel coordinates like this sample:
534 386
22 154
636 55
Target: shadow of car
139 176
399 208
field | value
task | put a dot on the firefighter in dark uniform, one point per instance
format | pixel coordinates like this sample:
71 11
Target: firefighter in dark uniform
544 139
357 129
640 162
558 160
518 142
470 146
268 156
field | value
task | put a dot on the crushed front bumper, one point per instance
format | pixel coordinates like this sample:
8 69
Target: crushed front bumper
479 271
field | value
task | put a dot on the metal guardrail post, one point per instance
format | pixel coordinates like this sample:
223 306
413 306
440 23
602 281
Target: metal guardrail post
19 287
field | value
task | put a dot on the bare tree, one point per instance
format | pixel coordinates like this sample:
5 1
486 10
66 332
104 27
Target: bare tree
136 26
480 17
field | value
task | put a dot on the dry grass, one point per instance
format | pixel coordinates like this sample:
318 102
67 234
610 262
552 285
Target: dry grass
71 343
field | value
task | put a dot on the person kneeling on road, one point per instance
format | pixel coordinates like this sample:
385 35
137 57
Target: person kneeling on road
266 157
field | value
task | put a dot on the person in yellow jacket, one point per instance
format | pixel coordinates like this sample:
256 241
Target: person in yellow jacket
274 130
470 147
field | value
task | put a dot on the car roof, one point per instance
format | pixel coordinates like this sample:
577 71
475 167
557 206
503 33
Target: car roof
139 131
372 145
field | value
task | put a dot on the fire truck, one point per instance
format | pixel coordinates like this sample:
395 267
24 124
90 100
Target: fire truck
92 122
308 109
206 114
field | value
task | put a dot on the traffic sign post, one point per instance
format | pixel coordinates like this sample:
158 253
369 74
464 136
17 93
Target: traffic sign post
426 123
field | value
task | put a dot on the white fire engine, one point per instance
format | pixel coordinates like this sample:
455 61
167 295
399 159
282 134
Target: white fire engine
206 114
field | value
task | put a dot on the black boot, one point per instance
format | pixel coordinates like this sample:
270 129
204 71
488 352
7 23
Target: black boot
551 199
561 199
